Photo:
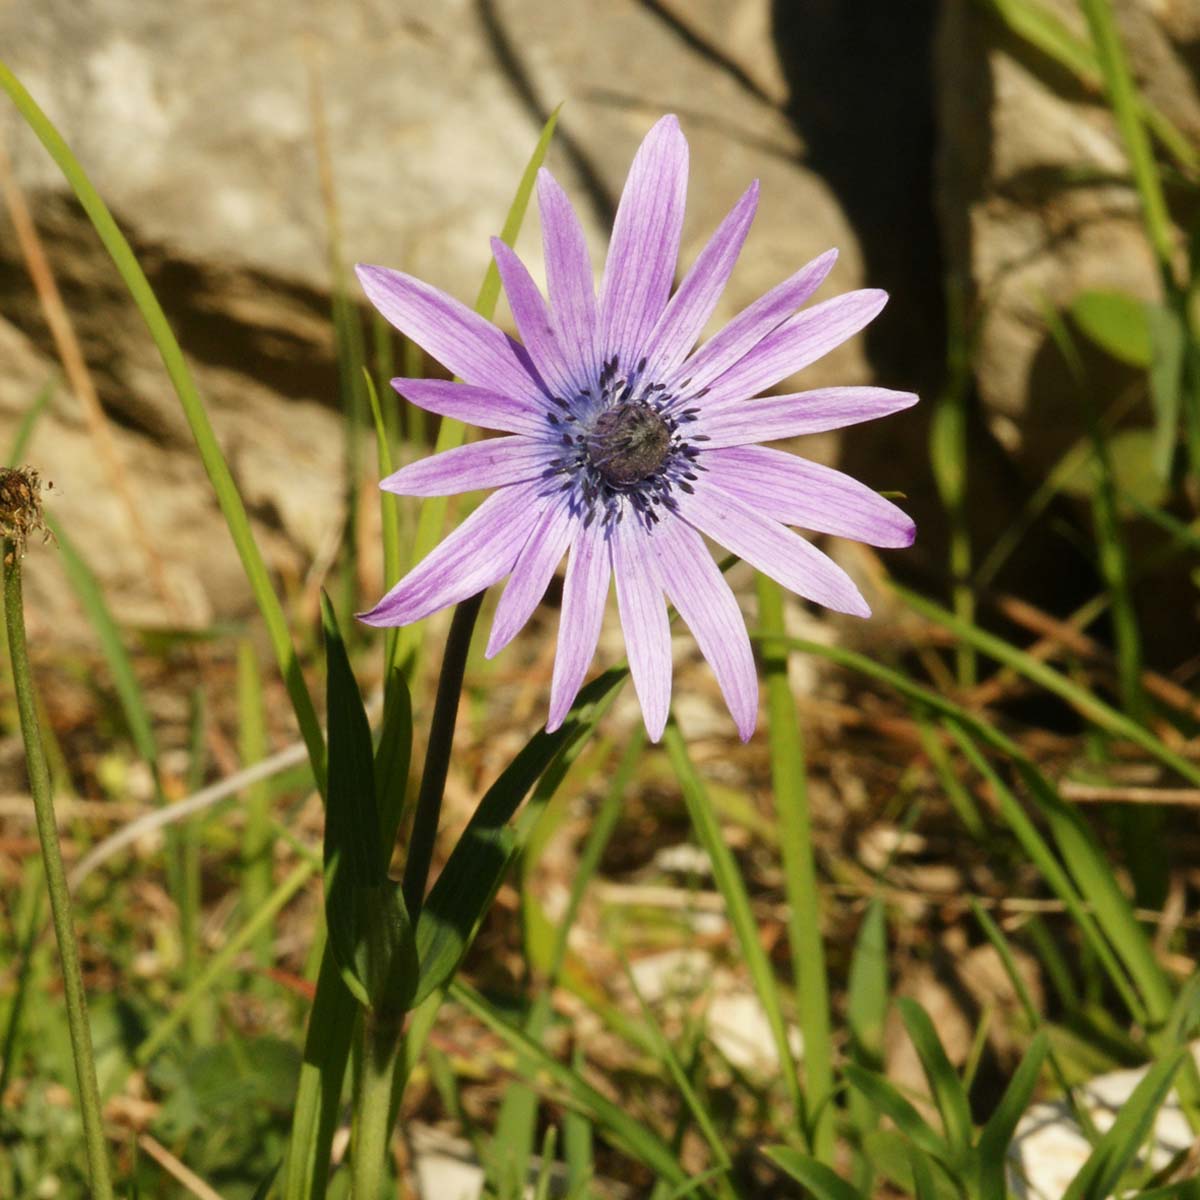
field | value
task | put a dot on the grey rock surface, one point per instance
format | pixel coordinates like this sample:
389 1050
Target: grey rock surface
197 124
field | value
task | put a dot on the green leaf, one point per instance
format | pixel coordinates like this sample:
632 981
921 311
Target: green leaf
29 420
884 1096
867 987
633 1135
992 1148
948 1091
1118 1148
393 757
478 862
369 930
819 1179
737 902
1116 322
894 1156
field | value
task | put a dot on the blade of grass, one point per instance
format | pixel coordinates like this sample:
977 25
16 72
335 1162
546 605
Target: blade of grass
790 787
997 1134
29 420
733 888
816 1177
180 375
388 515
516 1124
453 433
866 1012
1116 1150
1083 701
630 1134
947 1089
257 839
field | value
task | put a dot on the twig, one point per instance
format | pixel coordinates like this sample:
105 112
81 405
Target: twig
173 1167
1095 793
290 756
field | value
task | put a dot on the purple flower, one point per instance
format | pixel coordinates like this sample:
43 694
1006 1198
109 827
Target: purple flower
626 446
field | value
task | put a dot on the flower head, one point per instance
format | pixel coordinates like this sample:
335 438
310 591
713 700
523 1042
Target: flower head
626 444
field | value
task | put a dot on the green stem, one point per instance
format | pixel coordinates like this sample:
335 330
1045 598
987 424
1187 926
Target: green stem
800 876
56 879
437 756
372 1103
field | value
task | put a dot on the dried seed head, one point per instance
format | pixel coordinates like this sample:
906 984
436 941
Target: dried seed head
21 506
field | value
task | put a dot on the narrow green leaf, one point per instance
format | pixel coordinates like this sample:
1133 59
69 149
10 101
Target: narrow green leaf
819 1179
388 515
393 757
997 1134
369 930
1127 108
922 1173
737 902
632 1135
29 420
948 1092
790 785
884 1096
1118 323
129 692
866 1011
478 862
1118 1148
1083 701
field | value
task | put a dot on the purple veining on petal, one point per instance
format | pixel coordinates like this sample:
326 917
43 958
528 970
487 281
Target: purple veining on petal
626 444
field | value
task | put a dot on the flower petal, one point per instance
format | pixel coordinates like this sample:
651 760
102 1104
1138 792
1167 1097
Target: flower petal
457 337
644 623
585 593
645 243
752 324
796 343
476 405
533 320
569 281
531 575
695 585
480 551
687 313
491 463
771 548
774 417
797 491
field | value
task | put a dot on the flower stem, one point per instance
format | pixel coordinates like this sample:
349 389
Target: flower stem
437 757
56 879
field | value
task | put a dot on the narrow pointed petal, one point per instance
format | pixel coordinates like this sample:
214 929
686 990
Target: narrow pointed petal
696 587
689 309
569 281
485 407
774 417
645 242
771 548
796 491
644 623
752 324
480 551
457 337
531 575
585 593
796 343
495 462
532 318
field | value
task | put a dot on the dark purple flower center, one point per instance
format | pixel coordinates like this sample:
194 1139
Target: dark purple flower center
629 443
626 444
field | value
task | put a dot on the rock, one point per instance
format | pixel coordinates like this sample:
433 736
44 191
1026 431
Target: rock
1049 1147
197 126
1036 204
